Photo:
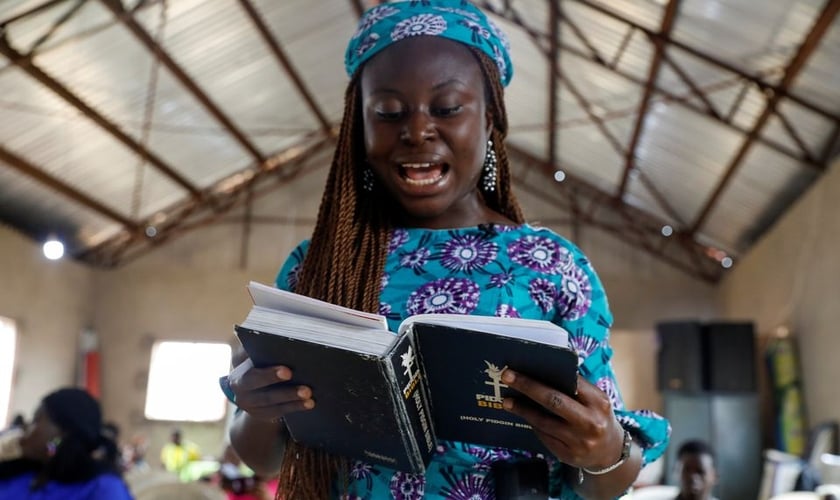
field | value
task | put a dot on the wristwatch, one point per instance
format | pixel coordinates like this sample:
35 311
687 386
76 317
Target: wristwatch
626 446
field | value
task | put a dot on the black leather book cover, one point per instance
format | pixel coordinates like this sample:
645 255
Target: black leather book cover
411 386
356 410
463 372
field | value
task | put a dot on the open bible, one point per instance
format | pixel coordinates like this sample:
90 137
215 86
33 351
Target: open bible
386 397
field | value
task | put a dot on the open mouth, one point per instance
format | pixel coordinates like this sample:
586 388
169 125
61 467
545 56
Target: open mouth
423 174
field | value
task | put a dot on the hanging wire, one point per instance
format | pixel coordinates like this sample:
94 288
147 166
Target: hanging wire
148 113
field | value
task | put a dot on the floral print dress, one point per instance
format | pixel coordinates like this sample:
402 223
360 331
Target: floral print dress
516 271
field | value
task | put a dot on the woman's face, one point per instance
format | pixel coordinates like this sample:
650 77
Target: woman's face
39 433
426 129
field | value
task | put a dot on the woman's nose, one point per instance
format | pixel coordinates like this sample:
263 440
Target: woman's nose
418 128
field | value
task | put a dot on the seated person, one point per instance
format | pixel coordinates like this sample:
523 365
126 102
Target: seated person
65 454
695 469
240 482
178 453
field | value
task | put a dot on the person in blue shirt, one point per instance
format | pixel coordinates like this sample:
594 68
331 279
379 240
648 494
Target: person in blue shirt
417 217
65 455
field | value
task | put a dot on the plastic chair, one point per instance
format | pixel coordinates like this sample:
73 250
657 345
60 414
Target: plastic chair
830 469
781 470
656 492
798 495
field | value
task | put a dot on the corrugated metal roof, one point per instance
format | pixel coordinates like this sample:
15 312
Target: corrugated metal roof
710 91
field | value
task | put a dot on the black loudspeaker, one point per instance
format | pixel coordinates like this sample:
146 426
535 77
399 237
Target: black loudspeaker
730 357
696 357
680 359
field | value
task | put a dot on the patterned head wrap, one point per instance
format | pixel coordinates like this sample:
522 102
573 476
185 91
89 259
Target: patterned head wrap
456 20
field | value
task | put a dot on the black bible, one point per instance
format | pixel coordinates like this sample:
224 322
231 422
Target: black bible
388 398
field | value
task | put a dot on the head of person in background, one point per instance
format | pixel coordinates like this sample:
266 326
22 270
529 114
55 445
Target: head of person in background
177 455
18 421
176 437
65 452
695 470
112 430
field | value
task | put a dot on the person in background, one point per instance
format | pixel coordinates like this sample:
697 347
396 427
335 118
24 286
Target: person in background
177 454
65 455
239 482
418 216
134 454
10 438
696 471
18 422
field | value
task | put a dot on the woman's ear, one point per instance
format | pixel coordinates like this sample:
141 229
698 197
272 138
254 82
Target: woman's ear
488 117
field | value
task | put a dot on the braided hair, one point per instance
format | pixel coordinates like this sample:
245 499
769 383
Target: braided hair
349 218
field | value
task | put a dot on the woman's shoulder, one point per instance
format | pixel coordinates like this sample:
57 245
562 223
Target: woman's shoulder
110 485
534 228
286 278
15 484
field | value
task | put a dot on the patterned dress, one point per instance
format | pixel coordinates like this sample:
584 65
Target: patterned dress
517 271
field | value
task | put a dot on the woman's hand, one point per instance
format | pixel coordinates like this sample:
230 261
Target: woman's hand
259 392
581 432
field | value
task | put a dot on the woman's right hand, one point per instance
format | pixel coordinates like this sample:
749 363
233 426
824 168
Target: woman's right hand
261 393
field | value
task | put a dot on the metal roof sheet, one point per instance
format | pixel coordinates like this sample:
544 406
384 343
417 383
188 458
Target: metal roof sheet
710 92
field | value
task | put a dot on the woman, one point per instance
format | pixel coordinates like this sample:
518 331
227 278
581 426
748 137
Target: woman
418 216
64 454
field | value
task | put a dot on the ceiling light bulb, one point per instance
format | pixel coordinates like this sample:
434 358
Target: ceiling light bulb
53 249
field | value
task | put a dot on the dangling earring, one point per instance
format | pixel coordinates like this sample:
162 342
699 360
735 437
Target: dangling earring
488 180
52 446
367 179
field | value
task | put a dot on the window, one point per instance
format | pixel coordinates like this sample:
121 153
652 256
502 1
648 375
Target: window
183 381
8 337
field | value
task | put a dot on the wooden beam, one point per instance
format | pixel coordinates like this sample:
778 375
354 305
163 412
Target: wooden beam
653 73
553 78
184 216
715 61
634 226
669 96
284 61
126 18
25 63
812 40
42 177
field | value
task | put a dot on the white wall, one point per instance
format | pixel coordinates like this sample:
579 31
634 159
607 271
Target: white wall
51 303
791 277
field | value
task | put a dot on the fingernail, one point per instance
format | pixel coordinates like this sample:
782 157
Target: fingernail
303 392
509 376
283 373
507 403
309 404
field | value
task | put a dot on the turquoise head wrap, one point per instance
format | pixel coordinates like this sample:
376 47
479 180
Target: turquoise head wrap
457 20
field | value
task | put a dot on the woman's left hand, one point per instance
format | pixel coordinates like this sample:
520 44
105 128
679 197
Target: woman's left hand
581 431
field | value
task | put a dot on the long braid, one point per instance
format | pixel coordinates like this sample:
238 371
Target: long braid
346 258
502 199
343 266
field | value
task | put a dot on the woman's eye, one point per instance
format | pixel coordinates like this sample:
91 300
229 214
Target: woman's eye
389 115
447 111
